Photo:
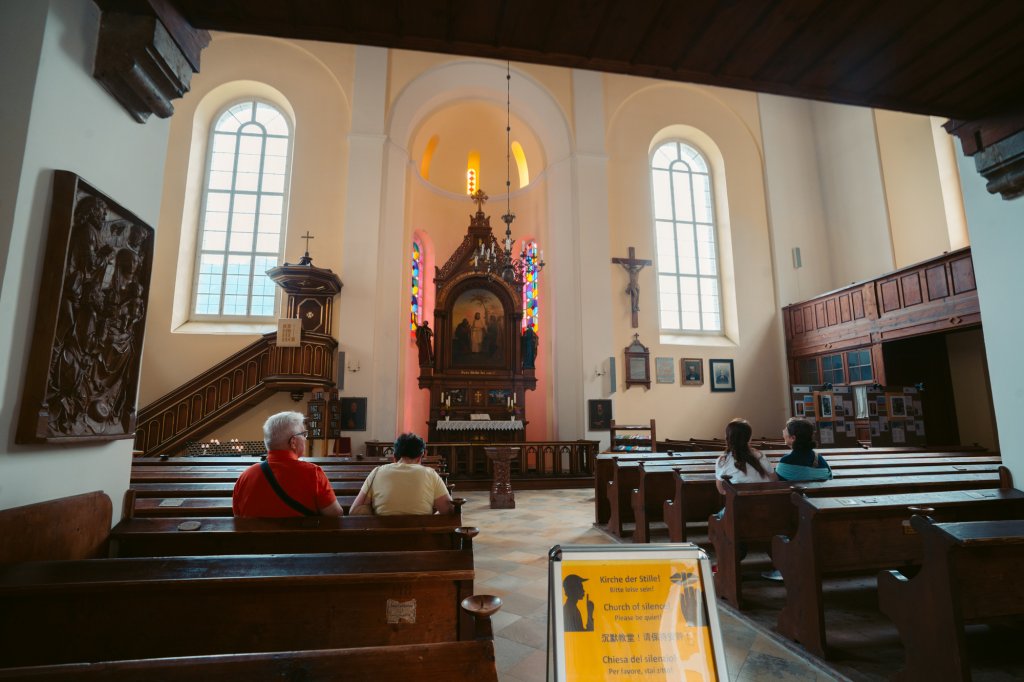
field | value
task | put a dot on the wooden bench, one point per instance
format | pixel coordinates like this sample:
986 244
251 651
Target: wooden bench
700 487
151 537
630 501
219 489
440 661
756 512
970 572
119 609
846 536
74 527
221 506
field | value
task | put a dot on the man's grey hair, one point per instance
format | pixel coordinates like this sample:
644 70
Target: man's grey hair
279 428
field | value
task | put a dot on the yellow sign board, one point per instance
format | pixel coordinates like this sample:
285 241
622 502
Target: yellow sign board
634 613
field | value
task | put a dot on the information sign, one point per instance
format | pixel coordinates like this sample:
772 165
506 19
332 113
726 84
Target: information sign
633 613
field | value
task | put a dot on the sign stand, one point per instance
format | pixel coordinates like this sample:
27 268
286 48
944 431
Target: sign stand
628 612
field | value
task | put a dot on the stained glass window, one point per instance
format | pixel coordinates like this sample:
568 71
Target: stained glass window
243 213
531 281
689 297
416 289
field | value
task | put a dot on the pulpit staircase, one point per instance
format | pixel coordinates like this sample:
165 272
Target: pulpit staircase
229 388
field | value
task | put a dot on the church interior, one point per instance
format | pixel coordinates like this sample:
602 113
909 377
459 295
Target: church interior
549 227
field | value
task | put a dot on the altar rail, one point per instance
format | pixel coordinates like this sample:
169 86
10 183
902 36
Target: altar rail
536 458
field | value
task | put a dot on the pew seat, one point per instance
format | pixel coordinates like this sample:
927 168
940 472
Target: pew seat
120 609
971 572
152 537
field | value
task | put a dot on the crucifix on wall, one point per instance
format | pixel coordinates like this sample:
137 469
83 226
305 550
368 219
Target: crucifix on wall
633 266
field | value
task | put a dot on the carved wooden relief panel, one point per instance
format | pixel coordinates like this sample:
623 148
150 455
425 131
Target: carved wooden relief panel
83 372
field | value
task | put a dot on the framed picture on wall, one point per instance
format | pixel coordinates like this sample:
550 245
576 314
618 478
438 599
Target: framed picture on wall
353 414
897 406
599 415
722 378
798 408
665 370
692 371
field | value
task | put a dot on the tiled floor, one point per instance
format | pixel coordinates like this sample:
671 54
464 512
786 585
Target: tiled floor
511 562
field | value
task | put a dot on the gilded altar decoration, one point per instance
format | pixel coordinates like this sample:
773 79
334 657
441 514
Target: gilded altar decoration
83 373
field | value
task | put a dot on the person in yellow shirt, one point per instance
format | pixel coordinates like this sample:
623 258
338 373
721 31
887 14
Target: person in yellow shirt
405 487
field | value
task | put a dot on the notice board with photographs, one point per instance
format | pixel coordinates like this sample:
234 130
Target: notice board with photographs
620 612
897 417
831 412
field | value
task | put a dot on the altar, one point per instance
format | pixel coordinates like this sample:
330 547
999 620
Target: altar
480 430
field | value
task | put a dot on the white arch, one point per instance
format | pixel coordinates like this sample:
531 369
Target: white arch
427 93
457 81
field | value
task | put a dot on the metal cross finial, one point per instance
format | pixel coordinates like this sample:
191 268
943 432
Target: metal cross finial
479 197
307 237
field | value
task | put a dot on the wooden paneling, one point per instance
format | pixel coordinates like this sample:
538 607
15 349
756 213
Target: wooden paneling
911 289
890 295
935 279
845 314
933 296
962 270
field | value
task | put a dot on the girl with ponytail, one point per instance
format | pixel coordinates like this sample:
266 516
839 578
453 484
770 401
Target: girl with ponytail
741 463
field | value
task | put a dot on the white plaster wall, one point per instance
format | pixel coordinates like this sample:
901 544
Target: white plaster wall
234 67
74 125
729 120
997 241
793 182
913 189
971 391
857 220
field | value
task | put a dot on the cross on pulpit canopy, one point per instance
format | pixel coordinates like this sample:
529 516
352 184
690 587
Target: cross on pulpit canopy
633 266
306 260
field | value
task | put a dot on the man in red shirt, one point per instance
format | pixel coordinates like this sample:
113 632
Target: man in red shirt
283 485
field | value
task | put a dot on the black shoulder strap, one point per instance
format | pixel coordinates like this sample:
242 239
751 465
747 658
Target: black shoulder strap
285 497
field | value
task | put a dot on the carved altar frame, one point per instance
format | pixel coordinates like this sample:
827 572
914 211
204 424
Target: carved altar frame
82 379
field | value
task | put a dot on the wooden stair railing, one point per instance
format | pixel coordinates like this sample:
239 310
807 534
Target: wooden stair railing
232 386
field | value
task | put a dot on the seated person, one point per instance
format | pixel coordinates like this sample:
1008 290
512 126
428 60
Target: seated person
741 463
405 487
803 463
282 485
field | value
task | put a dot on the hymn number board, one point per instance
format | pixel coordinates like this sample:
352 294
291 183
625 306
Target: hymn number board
315 416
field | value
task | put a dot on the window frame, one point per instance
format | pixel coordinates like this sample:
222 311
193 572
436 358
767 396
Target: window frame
208 318
849 366
842 368
692 226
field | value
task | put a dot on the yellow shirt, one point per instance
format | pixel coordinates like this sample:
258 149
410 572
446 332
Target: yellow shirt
403 489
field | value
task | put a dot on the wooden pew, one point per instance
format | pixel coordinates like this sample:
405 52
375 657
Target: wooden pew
626 497
198 506
160 476
756 512
472 660
151 537
74 527
970 572
220 489
119 609
605 463
700 487
841 536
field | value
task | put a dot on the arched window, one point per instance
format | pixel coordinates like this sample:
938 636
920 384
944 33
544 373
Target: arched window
241 225
689 298
531 280
416 289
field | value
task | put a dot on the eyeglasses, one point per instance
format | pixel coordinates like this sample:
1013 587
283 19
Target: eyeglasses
301 433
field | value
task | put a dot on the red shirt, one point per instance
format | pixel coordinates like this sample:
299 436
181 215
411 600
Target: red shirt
306 483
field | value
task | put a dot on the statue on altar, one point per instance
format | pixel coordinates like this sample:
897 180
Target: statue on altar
423 334
529 348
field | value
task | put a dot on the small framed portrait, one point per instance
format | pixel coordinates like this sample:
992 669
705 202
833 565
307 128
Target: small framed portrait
665 370
826 411
599 415
692 371
872 409
722 377
798 408
897 406
353 414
